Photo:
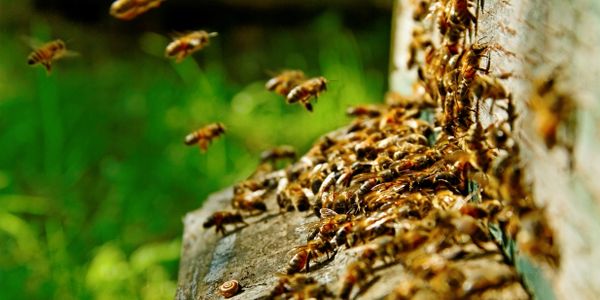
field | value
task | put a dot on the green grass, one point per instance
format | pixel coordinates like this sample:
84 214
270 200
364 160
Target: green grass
94 177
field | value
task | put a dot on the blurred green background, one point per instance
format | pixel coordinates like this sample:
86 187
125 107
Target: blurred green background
94 177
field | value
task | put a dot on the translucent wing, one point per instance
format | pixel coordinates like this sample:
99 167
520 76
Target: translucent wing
327 213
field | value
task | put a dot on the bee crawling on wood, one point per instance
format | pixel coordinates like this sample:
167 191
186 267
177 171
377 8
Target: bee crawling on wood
250 201
205 135
221 218
307 90
129 9
47 53
327 226
302 255
184 45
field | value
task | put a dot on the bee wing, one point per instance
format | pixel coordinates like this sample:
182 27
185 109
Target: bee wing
377 223
70 53
203 144
308 226
296 250
32 42
327 213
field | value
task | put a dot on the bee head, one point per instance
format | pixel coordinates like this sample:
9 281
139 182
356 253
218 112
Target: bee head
209 222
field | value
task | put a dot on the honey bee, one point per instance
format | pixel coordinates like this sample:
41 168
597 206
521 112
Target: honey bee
535 237
420 40
49 52
552 110
250 201
382 248
292 195
129 9
325 227
283 83
221 218
186 44
303 255
357 274
281 152
205 135
306 90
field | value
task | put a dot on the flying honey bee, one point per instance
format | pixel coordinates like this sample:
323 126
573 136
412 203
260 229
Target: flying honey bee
221 218
306 90
129 9
205 135
283 83
49 52
186 44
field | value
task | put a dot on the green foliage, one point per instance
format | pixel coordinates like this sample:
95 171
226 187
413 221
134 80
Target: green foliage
94 177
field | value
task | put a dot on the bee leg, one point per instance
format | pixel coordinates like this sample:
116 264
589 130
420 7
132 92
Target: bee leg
219 227
308 106
308 258
203 144
48 66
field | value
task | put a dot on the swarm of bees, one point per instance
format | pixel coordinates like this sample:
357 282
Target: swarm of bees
181 47
397 188
419 181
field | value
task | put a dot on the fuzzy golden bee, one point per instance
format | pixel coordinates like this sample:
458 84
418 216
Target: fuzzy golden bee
130 9
283 83
48 53
205 135
307 90
184 45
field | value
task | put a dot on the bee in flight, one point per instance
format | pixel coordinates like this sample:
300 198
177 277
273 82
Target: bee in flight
129 9
283 83
205 135
306 90
186 44
49 52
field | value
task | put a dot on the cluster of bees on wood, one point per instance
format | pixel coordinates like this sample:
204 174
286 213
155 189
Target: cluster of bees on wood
418 181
